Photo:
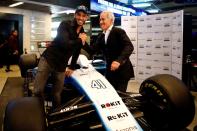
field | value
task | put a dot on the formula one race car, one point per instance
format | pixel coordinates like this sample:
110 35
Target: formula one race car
164 103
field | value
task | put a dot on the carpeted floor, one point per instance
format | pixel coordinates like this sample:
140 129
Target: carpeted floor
2 83
4 75
12 90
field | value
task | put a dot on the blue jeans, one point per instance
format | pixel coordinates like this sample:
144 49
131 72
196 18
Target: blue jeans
43 73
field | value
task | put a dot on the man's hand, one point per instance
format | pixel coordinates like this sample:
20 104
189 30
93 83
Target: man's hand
115 65
68 72
15 52
83 37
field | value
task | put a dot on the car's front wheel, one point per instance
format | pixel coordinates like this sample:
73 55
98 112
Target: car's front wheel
170 105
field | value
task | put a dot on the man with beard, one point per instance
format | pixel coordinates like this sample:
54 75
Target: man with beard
68 42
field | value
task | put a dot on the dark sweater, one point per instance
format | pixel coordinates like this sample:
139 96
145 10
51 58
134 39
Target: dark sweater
65 45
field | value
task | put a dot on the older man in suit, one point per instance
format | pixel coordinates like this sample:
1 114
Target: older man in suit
114 43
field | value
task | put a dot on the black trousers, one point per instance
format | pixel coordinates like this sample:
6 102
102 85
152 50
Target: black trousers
11 59
118 83
8 60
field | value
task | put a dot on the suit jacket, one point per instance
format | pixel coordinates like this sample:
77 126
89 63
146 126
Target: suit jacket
117 48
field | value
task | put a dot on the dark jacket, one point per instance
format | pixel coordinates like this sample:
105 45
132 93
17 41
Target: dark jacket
12 44
65 45
118 48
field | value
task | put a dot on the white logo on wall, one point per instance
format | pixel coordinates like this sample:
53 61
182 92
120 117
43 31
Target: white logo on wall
158 39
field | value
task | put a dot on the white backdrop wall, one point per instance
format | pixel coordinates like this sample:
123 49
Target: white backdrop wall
158 44
27 26
129 24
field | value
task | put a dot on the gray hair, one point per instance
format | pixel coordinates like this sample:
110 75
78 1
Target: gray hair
110 15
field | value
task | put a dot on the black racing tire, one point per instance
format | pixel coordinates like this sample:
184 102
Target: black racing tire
170 105
27 61
25 114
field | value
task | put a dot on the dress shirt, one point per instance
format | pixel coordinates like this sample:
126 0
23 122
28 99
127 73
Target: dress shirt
107 33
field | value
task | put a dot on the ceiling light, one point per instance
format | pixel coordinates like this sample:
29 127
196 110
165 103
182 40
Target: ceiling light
140 1
143 14
93 15
16 4
153 11
87 21
96 29
141 5
65 12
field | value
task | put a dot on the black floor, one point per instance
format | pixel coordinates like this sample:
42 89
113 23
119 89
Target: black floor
13 89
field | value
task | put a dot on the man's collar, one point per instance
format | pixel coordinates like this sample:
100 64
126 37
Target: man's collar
109 29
